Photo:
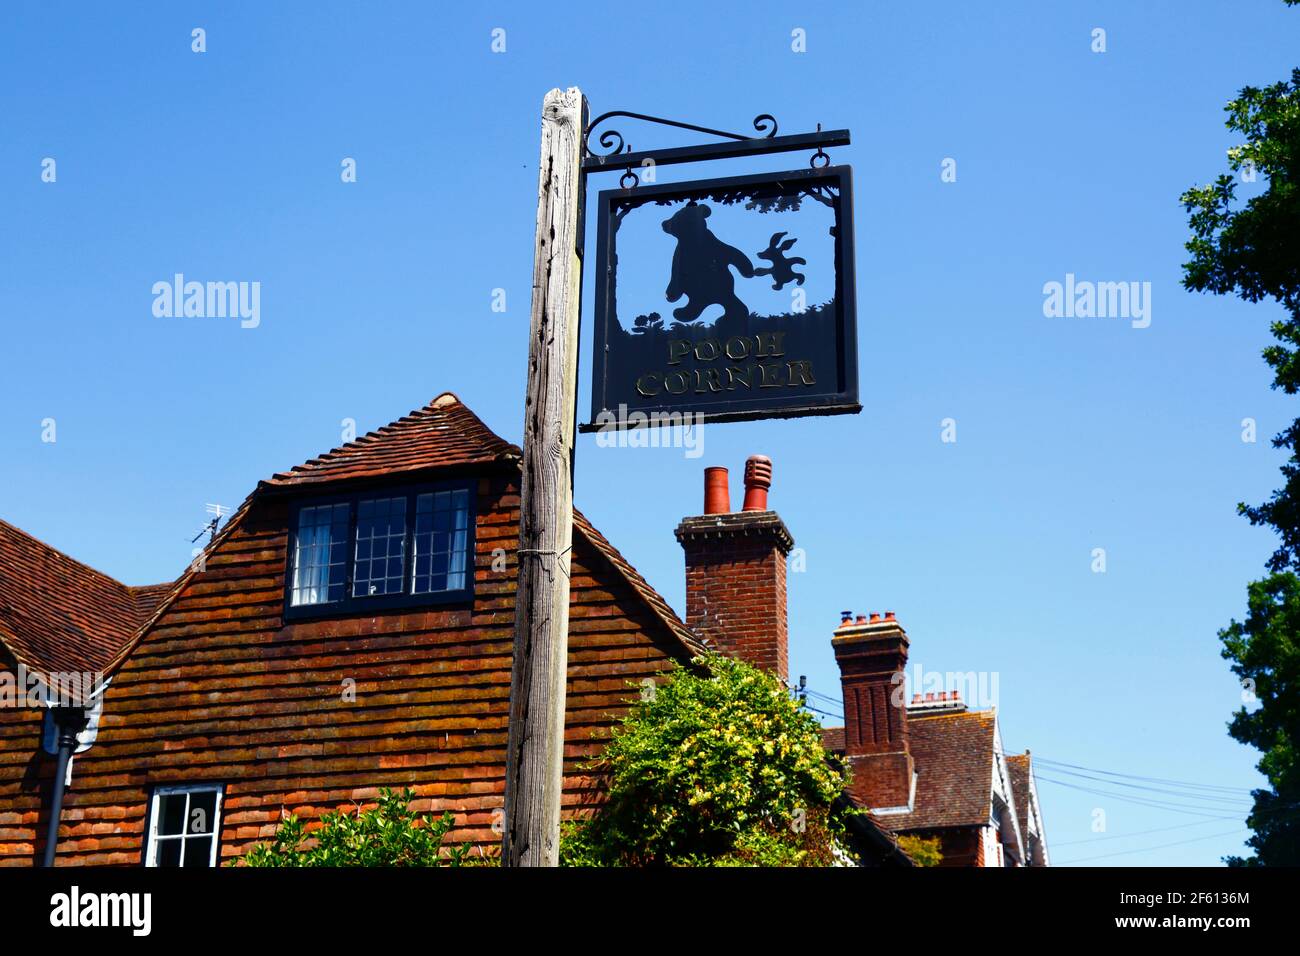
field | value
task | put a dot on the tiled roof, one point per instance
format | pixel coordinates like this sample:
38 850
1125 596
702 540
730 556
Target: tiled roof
81 616
954 770
444 432
57 614
638 583
149 596
953 756
833 739
160 597
1018 770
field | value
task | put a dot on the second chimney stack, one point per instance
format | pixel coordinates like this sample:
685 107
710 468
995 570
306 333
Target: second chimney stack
872 657
735 570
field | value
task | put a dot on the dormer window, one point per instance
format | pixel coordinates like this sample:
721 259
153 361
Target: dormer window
368 551
381 547
441 541
321 562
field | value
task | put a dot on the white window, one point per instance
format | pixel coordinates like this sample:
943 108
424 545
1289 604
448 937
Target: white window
320 565
441 541
184 826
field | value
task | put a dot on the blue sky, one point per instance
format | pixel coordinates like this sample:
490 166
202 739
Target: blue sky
1072 434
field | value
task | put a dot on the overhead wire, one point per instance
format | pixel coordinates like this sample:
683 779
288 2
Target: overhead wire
1148 849
1213 802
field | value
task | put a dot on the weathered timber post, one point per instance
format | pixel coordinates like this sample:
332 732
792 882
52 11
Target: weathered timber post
535 756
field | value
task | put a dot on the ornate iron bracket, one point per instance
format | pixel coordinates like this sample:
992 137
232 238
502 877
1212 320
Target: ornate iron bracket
612 139
619 155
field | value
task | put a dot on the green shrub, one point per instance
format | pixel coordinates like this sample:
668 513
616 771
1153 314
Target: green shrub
717 767
388 834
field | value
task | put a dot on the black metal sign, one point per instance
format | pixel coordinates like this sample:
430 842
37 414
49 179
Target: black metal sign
730 299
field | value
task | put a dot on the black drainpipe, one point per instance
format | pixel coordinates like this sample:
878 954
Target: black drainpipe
68 722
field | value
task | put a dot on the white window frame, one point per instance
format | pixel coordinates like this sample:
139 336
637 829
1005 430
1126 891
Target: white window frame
155 819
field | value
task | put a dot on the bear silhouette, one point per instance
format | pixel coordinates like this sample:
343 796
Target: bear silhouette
782 270
702 267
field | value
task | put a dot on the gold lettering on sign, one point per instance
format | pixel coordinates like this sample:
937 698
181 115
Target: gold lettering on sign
804 371
769 343
744 350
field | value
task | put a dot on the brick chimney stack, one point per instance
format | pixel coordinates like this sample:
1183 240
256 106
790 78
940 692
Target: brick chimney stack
872 657
735 571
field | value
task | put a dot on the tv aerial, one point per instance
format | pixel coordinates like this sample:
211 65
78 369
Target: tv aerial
218 512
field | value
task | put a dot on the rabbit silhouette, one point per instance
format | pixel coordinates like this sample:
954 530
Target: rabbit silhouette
782 269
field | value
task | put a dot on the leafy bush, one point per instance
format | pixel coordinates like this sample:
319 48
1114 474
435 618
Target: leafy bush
388 834
717 767
924 851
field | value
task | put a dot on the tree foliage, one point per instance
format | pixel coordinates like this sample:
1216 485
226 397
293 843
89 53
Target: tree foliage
387 834
924 851
717 767
1265 651
1253 250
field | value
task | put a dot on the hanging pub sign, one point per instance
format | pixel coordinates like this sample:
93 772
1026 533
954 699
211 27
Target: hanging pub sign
729 299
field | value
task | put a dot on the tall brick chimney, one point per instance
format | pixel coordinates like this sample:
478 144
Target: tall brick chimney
872 657
735 571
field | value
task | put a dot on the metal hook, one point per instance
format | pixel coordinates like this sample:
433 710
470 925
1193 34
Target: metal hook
623 180
820 154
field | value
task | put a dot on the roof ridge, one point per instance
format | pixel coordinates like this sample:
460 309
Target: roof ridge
443 432
60 613
658 604
177 586
150 587
60 553
939 715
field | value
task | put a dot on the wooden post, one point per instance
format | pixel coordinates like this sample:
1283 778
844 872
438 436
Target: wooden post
535 756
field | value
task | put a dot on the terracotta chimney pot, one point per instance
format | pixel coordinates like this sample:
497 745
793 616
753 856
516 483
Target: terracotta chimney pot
758 478
717 494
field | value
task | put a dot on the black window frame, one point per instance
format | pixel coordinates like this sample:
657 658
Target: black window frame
382 602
